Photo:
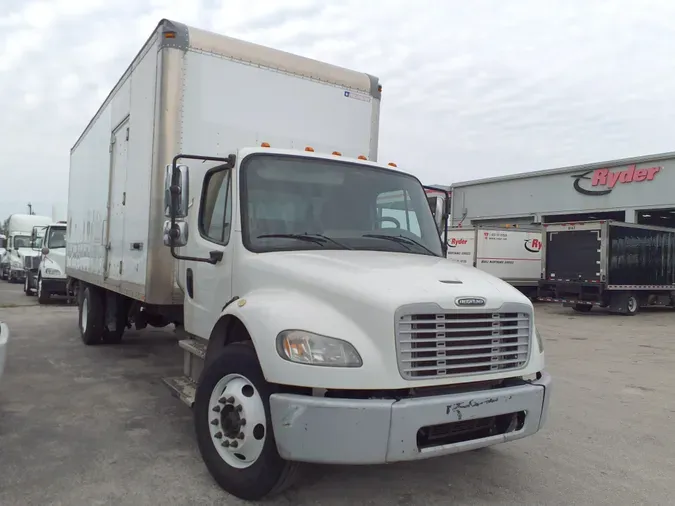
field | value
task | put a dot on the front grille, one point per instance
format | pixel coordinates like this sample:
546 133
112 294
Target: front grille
31 262
455 344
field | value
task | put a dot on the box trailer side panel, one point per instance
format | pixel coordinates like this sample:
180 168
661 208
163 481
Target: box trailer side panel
284 100
462 245
510 254
109 186
640 257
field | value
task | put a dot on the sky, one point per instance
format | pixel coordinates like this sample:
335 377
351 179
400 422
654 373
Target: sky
471 89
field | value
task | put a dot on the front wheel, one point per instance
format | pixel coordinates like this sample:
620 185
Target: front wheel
42 294
233 426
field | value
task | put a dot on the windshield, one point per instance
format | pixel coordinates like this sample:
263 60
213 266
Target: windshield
57 238
21 241
292 203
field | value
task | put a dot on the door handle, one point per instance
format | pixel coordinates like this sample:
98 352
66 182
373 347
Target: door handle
215 256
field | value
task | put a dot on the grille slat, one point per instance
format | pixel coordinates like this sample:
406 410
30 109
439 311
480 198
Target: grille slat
454 358
453 331
453 344
459 339
477 320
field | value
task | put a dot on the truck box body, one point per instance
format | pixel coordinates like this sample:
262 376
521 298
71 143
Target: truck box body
193 91
582 260
512 254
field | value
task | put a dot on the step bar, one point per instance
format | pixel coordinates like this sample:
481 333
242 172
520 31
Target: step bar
185 387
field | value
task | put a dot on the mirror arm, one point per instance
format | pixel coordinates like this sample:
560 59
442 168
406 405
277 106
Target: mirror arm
175 194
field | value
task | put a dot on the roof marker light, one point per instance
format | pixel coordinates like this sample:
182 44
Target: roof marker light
337 153
265 145
310 149
361 157
392 164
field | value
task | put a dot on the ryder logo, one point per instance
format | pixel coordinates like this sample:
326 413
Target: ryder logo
603 181
533 245
454 242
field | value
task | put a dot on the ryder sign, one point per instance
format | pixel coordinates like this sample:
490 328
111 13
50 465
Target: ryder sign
603 181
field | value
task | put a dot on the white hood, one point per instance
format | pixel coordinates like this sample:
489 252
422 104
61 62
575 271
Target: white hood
393 278
55 259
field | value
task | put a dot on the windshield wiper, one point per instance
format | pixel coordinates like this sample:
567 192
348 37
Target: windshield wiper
401 239
315 238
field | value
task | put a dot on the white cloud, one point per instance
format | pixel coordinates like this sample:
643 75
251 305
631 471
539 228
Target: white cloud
471 89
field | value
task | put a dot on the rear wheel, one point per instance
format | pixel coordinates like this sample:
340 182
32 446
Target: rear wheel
233 426
91 316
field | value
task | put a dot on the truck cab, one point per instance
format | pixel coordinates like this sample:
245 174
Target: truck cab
317 290
49 277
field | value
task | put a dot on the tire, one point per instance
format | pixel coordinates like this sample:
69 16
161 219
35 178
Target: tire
42 294
266 473
91 316
582 308
632 305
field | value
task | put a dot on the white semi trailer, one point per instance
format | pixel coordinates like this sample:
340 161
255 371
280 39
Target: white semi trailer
232 190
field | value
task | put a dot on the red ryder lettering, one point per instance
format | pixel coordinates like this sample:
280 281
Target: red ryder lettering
457 242
605 177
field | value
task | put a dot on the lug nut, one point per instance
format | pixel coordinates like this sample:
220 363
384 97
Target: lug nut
242 422
234 444
226 444
216 409
222 400
218 435
214 421
240 435
230 400
239 408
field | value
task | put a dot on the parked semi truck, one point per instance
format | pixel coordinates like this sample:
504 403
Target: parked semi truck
621 266
233 191
21 254
48 277
511 254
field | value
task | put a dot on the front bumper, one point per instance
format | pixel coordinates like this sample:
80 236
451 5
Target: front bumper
4 338
56 286
377 431
17 274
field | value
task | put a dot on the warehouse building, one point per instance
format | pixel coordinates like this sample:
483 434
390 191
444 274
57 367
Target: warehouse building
635 190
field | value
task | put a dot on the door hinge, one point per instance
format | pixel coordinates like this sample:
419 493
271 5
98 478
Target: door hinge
127 133
124 198
120 266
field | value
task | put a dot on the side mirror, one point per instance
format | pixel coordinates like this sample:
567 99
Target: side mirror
45 250
438 210
176 191
176 236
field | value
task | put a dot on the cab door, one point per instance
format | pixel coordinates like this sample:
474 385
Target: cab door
208 287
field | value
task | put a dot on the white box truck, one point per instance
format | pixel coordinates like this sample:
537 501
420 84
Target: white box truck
511 254
232 190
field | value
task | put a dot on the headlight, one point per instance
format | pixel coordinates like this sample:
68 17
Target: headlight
540 341
313 349
52 272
